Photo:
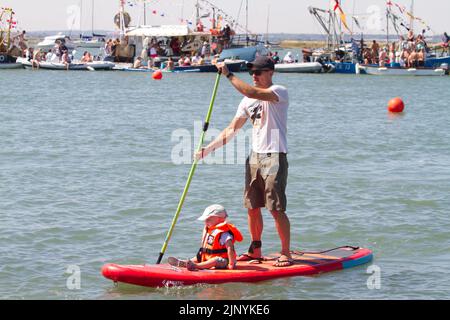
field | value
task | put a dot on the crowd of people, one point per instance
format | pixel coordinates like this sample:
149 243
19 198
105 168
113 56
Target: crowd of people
58 54
409 52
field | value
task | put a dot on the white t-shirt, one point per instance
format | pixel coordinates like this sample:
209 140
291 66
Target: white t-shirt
225 237
269 121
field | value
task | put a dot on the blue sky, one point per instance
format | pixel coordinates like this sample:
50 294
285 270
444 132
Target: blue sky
286 16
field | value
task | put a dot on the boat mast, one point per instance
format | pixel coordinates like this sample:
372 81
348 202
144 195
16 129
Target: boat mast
8 36
145 13
387 25
81 16
92 24
197 15
267 29
246 21
411 24
122 19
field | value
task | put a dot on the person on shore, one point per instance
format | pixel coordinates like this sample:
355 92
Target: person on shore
217 250
266 106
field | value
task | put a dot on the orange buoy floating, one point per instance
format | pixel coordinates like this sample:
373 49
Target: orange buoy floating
157 75
396 105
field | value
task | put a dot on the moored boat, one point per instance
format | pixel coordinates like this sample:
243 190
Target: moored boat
301 67
49 42
233 66
393 71
89 66
8 51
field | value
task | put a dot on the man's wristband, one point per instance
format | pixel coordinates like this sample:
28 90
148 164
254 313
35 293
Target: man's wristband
230 75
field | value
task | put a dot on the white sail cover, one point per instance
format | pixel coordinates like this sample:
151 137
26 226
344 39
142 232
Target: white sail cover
161 31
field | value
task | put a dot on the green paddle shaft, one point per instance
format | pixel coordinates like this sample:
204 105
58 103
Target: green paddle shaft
191 173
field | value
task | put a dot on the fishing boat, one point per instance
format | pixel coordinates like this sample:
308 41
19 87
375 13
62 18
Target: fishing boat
8 54
342 56
397 71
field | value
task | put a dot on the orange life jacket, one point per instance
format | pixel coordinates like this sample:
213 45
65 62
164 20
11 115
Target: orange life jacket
211 247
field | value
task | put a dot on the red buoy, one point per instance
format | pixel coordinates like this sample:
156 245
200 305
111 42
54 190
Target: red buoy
157 75
396 105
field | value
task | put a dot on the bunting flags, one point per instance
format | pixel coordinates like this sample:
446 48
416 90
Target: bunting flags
402 9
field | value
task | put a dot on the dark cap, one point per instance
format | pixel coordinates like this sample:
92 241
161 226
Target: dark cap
261 63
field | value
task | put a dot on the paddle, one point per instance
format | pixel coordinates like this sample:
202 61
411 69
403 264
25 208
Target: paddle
191 173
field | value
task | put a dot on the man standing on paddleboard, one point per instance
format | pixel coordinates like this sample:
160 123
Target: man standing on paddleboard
266 106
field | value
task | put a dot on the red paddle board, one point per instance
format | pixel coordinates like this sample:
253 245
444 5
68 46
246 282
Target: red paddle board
305 264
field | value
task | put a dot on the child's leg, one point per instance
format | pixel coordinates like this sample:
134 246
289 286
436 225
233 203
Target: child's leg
218 263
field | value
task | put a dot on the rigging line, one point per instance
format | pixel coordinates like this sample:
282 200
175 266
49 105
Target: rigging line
239 12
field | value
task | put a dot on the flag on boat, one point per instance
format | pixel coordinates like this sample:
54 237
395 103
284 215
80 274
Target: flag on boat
342 14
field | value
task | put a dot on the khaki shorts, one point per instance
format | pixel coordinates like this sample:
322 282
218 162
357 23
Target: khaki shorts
266 181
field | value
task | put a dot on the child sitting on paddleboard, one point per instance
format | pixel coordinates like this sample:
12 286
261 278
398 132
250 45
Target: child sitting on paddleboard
218 240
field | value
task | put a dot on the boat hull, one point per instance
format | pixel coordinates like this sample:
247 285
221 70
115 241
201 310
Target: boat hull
345 67
232 66
72 66
306 67
8 66
384 71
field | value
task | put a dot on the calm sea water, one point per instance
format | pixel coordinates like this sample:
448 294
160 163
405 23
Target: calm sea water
87 178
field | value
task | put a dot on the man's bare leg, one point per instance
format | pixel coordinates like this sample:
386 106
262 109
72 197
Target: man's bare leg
283 226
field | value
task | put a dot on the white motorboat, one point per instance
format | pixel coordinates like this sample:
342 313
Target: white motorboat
90 43
393 71
49 42
89 66
301 67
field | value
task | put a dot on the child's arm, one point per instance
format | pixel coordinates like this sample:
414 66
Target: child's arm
231 255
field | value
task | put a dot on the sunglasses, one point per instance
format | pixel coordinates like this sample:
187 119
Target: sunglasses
256 72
